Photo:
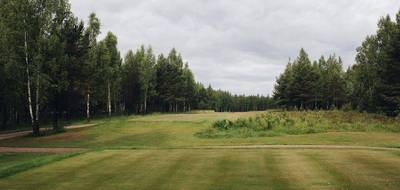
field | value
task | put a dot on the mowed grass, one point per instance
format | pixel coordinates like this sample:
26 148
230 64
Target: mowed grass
13 163
216 169
178 130
161 151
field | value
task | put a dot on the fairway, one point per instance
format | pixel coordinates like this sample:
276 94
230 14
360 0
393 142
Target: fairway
216 169
161 151
178 130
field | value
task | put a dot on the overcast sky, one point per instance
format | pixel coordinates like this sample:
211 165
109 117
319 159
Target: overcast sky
241 45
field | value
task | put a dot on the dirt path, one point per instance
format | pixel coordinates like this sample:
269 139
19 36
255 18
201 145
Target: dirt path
14 134
294 147
23 133
63 150
37 150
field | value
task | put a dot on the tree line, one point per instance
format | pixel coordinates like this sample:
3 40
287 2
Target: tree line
52 65
372 84
307 84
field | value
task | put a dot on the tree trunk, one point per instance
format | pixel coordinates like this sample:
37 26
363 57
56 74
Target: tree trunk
28 84
5 117
37 123
56 126
145 103
16 117
109 98
88 107
116 109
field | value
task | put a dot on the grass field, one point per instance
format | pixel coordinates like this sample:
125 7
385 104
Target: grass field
216 169
178 130
161 151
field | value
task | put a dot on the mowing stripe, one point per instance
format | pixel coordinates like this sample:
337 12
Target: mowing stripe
54 171
341 176
302 172
381 165
35 163
217 169
275 174
74 171
227 174
117 172
179 162
200 173
240 169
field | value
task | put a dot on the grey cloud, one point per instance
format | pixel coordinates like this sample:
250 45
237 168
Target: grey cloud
242 45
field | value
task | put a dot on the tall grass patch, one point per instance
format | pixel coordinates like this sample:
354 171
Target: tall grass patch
295 123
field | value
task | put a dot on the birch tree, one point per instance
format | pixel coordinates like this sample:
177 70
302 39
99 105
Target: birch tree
92 31
110 62
35 17
146 74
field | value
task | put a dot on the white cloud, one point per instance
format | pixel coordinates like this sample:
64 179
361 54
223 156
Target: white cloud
242 45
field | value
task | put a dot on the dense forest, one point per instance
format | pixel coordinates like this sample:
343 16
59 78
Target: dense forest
53 66
372 84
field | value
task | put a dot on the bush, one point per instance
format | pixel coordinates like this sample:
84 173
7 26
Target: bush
221 124
304 122
258 126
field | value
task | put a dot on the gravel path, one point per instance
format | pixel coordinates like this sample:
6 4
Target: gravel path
11 135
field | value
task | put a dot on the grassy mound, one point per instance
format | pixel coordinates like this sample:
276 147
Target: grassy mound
295 123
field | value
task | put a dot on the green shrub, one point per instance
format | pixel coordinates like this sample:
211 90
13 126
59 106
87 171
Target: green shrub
221 124
304 122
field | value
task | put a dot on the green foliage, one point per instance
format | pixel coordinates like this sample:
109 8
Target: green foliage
303 85
224 101
375 77
297 123
72 75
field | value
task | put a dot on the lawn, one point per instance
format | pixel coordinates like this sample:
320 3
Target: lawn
162 151
216 169
179 130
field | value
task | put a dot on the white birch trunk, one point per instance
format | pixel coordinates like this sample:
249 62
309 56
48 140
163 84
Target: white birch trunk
88 106
109 98
37 93
115 102
145 103
28 83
